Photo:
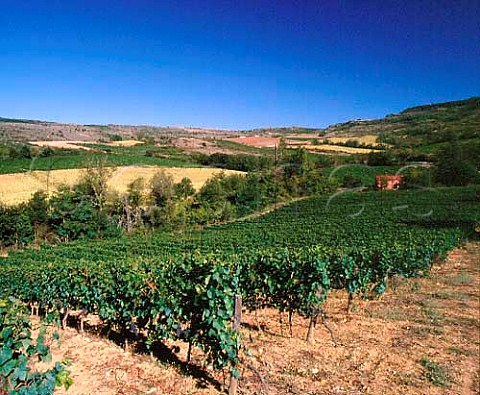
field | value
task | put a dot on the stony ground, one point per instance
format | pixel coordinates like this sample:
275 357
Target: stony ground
421 337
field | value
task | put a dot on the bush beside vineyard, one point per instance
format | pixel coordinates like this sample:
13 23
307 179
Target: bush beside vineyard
19 351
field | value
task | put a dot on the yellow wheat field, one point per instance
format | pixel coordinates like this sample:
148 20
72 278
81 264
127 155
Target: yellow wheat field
74 144
370 139
125 143
70 144
19 188
338 148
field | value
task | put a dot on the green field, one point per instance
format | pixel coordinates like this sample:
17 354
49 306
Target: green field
113 156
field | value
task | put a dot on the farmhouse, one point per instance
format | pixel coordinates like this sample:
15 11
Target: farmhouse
387 182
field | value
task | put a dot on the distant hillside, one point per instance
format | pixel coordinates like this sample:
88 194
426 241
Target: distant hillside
290 130
425 128
419 126
31 130
14 120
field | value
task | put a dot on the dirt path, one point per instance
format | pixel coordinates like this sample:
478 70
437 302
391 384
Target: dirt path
422 337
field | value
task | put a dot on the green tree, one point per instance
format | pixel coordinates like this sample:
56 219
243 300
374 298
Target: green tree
131 204
38 208
162 188
417 177
451 169
94 183
38 211
73 216
15 226
184 189
25 151
381 158
136 192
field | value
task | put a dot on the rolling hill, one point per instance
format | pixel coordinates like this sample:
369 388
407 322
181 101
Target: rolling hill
418 126
425 128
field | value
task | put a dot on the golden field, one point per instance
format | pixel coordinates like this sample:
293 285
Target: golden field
337 148
70 144
370 139
19 187
76 144
125 143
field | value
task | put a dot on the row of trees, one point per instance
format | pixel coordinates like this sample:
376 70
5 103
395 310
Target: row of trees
23 151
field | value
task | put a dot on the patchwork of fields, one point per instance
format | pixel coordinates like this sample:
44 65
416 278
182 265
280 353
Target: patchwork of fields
306 143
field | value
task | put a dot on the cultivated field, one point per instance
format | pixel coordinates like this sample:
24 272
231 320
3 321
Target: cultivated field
272 142
337 148
79 145
367 139
19 188
257 141
125 143
70 144
365 268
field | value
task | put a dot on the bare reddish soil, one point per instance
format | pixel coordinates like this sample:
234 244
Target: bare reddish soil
197 145
257 141
377 349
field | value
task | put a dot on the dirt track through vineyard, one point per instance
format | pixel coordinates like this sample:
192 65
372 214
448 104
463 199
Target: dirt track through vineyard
377 349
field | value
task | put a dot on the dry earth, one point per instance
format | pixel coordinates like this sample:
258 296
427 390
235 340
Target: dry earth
271 142
79 145
337 148
376 349
256 141
67 144
19 187
204 146
40 130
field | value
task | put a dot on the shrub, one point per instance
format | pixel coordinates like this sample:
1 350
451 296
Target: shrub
451 169
18 351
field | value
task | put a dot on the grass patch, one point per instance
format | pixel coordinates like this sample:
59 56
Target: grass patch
76 161
423 331
461 279
407 379
434 373
392 314
462 351
429 310
451 296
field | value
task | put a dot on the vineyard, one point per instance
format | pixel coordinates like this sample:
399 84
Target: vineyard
182 286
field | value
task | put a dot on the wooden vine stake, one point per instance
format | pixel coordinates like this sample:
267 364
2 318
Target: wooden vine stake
237 319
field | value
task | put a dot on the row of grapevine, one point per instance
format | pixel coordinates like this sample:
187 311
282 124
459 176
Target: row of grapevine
191 297
188 298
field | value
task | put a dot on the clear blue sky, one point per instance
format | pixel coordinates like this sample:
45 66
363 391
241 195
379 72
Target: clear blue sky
234 64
